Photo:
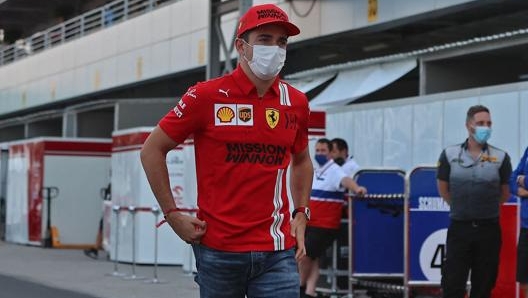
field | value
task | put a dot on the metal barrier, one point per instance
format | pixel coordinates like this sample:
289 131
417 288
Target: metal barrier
376 227
406 208
428 215
427 221
133 211
91 21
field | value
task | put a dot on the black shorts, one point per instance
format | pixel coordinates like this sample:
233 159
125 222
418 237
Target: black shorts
522 256
317 240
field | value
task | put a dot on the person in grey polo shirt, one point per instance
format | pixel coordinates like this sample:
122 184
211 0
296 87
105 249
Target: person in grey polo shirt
473 179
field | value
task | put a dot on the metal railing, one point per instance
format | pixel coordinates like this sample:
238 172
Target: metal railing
91 21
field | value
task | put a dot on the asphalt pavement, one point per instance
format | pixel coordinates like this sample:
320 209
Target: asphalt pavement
14 287
36 272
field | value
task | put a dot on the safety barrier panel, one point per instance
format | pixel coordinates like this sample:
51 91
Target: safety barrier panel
376 225
426 220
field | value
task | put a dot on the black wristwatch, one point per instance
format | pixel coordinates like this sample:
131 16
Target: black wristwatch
304 210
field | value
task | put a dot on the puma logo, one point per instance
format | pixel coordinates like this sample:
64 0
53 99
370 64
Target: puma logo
224 92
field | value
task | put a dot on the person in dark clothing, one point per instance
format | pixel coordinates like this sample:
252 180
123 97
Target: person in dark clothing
473 179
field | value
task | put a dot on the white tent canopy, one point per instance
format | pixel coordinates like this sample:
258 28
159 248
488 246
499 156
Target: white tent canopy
352 84
308 84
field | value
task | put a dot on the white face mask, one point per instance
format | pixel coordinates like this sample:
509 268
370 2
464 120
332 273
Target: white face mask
267 61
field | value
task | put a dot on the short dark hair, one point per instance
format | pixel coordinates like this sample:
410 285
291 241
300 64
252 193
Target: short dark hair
474 110
340 144
325 141
245 36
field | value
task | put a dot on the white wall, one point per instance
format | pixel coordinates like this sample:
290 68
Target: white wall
408 132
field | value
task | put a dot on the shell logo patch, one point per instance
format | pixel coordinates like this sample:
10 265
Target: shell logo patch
225 114
233 114
272 117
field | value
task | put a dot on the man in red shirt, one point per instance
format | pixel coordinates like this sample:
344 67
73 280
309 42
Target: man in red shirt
250 131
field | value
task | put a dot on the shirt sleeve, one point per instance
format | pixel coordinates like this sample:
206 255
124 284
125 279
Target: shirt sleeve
518 171
505 170
188 116
444 168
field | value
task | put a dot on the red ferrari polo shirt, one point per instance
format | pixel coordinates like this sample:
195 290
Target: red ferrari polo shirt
242 148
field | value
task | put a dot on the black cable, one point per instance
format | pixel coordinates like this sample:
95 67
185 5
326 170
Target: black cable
302 15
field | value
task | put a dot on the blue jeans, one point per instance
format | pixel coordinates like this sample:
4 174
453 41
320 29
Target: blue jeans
252 274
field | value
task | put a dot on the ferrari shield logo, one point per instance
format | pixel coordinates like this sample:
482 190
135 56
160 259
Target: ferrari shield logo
272 117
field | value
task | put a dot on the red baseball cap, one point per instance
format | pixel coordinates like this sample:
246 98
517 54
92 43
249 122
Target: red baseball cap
265 14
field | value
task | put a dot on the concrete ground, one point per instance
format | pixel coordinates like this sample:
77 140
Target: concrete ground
26 268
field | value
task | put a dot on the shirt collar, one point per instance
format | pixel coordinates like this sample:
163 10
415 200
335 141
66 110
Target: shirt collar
245 84
465 145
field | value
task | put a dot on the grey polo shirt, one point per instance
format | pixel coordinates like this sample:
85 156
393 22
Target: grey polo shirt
474 185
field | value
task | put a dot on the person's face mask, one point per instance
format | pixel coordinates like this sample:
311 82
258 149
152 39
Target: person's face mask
339 160
482 134
267 61
321 159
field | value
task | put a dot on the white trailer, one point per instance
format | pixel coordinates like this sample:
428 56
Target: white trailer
74 171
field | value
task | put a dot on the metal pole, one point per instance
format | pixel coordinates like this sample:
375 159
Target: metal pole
334 267
155 280
133 276
116 209
156 213
406 271
350 250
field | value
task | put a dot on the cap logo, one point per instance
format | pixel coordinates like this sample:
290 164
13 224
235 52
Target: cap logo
271 13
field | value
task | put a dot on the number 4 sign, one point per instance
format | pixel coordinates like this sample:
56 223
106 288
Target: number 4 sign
432 255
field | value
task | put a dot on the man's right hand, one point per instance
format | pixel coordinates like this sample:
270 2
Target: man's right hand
298 228
360 190
189 228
